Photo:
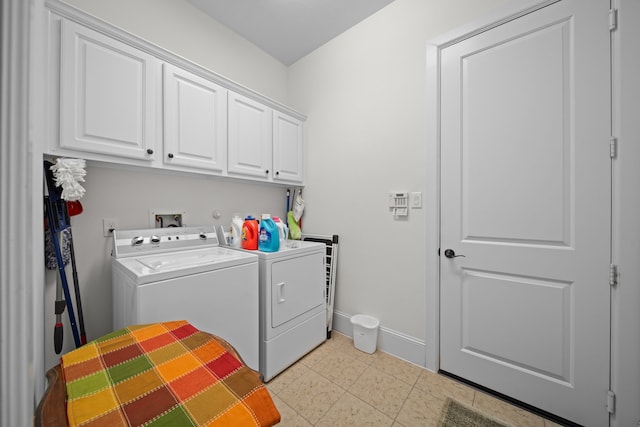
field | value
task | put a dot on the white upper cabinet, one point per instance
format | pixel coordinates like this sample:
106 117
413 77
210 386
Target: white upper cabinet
263 143
107 95
113 97
195 121
250 137
287 148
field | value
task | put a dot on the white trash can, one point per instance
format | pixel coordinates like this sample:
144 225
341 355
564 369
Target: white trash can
365 332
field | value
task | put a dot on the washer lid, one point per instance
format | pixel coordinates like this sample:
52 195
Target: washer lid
152 268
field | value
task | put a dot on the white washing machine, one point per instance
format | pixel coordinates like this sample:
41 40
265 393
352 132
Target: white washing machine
293 316
182 273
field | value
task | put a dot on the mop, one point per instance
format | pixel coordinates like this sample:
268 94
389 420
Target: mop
68 174
62 185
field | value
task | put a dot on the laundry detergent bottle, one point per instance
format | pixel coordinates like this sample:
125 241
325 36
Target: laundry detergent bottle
235 232
269 236
283 231
250 233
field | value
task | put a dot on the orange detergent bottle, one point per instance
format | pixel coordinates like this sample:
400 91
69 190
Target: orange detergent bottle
250 233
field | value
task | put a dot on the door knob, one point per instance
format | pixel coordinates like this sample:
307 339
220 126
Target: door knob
450 253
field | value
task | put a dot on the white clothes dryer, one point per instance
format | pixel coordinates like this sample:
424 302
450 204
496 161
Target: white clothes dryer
181 273
293 317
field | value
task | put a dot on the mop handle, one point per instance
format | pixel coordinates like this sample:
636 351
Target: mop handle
76 287
63 275
58 336
288 200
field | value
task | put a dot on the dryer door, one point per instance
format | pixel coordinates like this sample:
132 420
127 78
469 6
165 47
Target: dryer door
297 286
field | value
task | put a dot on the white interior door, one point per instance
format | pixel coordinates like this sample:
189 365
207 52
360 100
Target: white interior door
525 197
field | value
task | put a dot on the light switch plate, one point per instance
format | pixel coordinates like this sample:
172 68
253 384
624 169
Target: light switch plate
416 200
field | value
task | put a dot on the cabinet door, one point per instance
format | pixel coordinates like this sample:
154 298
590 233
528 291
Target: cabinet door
287 148
195 126
107 95
250 137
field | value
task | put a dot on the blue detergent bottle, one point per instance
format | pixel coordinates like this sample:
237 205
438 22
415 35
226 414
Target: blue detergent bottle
268 236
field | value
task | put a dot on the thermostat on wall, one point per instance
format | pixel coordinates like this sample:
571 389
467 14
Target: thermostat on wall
399 204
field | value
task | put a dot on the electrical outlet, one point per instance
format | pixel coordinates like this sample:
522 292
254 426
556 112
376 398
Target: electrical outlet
108 225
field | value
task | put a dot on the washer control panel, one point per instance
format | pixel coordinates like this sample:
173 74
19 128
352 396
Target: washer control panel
158 240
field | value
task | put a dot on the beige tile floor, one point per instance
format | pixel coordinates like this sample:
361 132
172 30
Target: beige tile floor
338 385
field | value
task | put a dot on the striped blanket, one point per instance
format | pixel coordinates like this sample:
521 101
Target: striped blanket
163 374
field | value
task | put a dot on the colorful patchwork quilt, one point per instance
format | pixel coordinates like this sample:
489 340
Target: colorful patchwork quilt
163 374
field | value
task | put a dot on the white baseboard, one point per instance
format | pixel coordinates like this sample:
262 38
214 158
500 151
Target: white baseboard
389 341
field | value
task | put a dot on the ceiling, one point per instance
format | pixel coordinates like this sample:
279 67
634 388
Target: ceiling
289 29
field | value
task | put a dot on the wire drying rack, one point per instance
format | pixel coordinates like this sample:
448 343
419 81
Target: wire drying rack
331 242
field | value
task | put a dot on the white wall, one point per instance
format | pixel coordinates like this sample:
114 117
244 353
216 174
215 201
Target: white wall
365 96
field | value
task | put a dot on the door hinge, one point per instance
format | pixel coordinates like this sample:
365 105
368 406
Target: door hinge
611 402
613 19
613 147
613 275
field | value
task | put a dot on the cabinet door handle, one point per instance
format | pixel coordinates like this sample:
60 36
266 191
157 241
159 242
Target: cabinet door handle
149 151
280 287
267 172
277 172
170 155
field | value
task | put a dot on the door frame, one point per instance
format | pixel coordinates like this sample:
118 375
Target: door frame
625 298
22 367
